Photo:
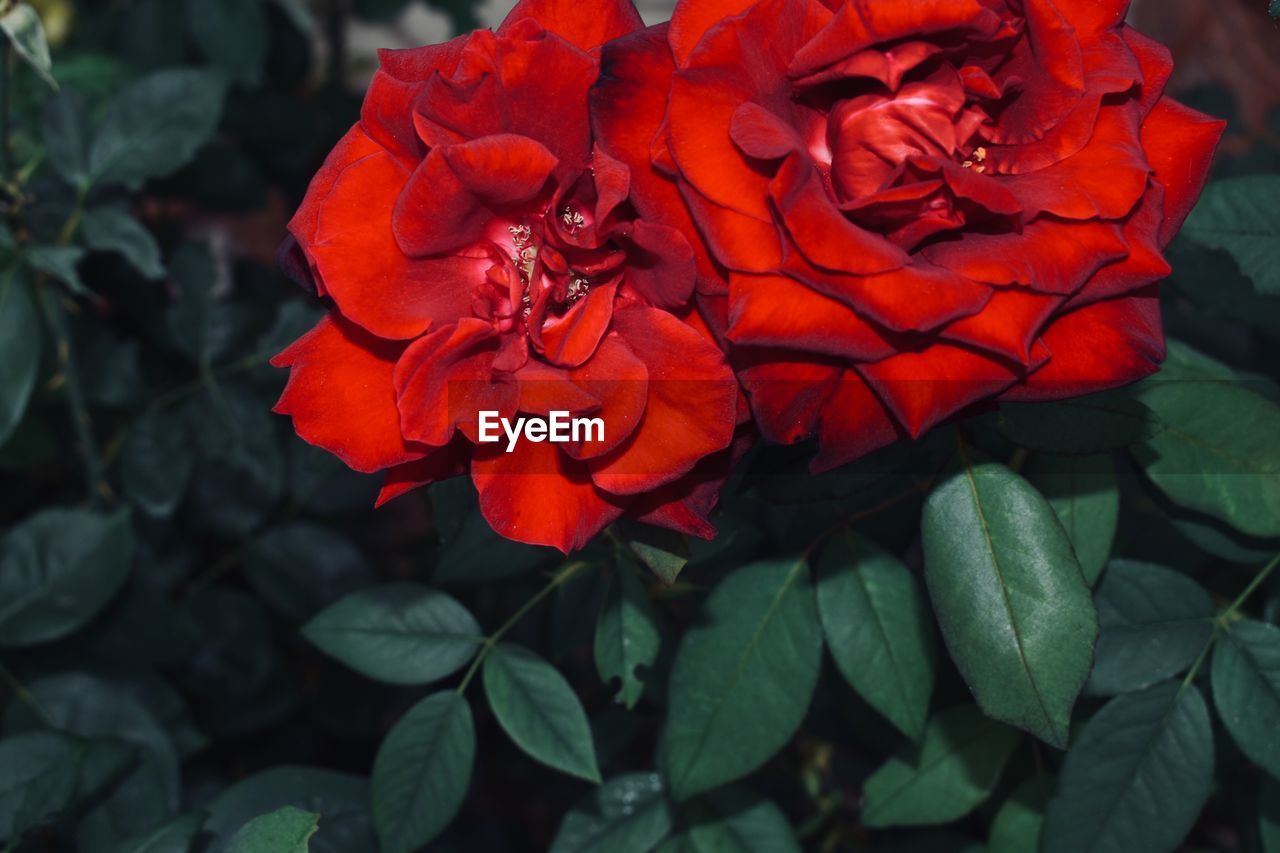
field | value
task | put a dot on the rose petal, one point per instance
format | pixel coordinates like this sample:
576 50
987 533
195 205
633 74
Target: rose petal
742 59
628 107
919 297
570 340
620 381
544 389
445 379
795 398
778 311
387 112
660 265
925 387
761 134
1100 346
607 20
691 407
538 495
345 227
861 24
525 82
1008 325
1144 263
1156 63
822 232
341 395
442 463
1050 256
459 189
1179 142
1104 180
684 505
692 18
737 241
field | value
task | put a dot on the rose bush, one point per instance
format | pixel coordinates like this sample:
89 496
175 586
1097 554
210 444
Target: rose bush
480 254
903 209
1016 634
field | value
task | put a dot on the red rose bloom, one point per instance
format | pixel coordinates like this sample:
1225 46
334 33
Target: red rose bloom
479 255
912 206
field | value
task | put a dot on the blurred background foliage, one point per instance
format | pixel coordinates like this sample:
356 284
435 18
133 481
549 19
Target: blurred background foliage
167 538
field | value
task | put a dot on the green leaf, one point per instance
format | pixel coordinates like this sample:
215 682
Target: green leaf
21 343
400 633
1246 689
203 326
60 263
742 677
879 630
154 127
664 551
477 554
156 463
302 568
1016 827
1153 622
950 773
1216 453
735 820
239 472
112 229
422 771
92 707
341 799
65 127
1211 278
38 777
628 814
25 31
1097 423
300 14
286 830
176 836
539 711
57 570
1085 497
626 635
232 34
1238 215
1012 604
1137 776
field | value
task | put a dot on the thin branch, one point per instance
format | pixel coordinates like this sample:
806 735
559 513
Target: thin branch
56 319
558 580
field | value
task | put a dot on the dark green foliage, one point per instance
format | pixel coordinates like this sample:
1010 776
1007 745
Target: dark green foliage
211 642
1009 595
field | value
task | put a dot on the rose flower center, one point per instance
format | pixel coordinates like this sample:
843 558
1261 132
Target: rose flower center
553 276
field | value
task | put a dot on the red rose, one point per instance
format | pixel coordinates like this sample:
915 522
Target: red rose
912 206
479 256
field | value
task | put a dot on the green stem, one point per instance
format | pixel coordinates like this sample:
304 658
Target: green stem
56 319
168 398
816 822
1221 621
24 696
68 232
557 580
217 570
1257 581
